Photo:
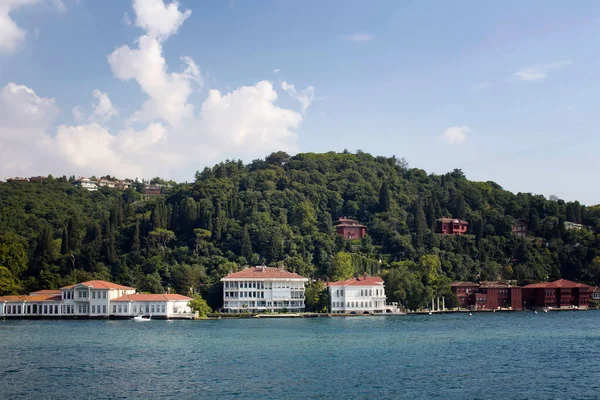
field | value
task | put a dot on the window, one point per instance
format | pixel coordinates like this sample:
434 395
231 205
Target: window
103 295
103 309
152 308
93 309
93 294
147 308
162 308
114 309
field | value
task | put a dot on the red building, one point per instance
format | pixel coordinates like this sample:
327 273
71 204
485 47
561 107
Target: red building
558 294
451 226
350 228
463 291
520 228
488 295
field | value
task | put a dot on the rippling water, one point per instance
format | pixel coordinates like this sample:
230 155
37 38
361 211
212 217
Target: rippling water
486 356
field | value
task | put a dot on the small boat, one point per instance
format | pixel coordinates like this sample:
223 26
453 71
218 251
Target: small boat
535 312
430 313
470 315
142 318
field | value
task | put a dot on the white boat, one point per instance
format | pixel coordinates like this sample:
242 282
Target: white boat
141 318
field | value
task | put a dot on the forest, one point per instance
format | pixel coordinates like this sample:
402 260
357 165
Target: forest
280 210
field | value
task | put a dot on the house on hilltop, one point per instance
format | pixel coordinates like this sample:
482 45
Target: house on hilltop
451 226
86 183
350 228
520 228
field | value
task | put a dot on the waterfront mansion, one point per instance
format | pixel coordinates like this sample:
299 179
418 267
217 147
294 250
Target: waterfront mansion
95 299
360 295
263 289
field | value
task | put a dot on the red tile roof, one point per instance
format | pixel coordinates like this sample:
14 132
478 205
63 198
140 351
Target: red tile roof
360 281
152 297
559 284
464 284
48 292
263 273
446 220
100 285
30 298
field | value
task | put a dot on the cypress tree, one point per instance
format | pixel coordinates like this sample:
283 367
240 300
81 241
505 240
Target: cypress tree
385 197
64 245
135 247
246 246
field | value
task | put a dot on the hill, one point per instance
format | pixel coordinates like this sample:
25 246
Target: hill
281 210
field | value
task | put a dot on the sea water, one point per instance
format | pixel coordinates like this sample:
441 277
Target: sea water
520 355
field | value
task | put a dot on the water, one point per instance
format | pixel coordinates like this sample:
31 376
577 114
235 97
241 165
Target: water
486 356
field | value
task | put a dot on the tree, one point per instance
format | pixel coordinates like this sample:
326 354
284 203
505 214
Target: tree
200 236
316 298
341 267
385 197
135 242
199 305
162 237
64 243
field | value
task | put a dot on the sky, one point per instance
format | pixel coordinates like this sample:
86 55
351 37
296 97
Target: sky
146 88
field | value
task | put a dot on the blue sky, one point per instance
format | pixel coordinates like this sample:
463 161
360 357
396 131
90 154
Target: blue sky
502 90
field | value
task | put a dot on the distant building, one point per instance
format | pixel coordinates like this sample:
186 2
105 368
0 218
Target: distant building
86 183
123 185
488 295
151 191
361 295
595 294
558 294
350 228
451 226
572 225
94 299
17 179
262 289
106 183
520 228
463 291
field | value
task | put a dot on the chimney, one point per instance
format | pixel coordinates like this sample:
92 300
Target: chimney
365 275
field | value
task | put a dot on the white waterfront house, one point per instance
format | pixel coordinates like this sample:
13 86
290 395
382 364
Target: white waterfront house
263 289
94 299
86 183
165 305
361 295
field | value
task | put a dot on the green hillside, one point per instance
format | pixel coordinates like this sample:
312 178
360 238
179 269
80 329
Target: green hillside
281 210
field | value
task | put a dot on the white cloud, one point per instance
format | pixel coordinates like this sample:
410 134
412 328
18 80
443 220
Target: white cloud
176 138
361 37
305 97
11 35
78 114
248 119
539 72
167 92
455 134
104 109
127 19
59 5
158 19
276 70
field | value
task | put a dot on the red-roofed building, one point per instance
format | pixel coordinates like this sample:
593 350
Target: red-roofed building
558 294
165 305
360 295
451 226
488 295
94 299
520 228
350 228
261 289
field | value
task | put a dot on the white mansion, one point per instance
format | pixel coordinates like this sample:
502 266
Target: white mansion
261 289
95 299
361 295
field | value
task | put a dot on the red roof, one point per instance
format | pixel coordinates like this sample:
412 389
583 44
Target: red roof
263 273
446 220
152 297
100 285
47 292
22 298
359 281
464 284
559 284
